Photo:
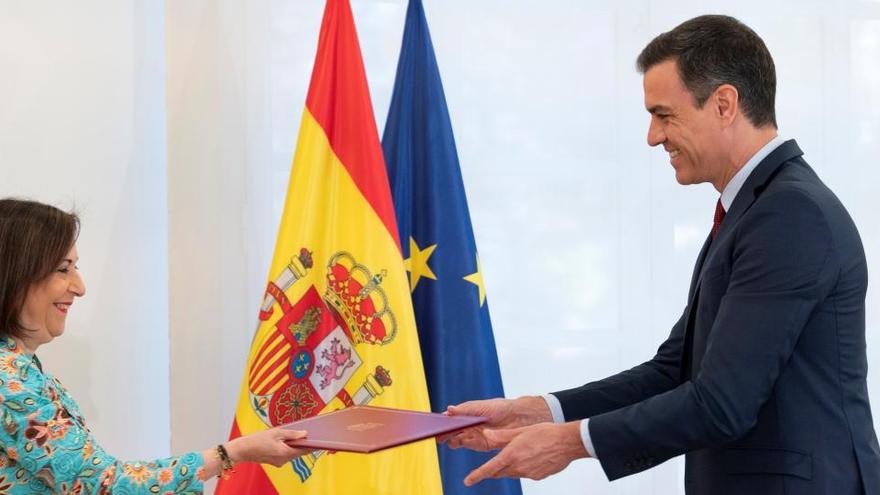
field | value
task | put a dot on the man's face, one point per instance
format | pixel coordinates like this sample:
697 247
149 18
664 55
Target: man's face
690 135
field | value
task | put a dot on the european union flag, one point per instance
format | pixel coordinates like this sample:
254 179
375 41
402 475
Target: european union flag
449 298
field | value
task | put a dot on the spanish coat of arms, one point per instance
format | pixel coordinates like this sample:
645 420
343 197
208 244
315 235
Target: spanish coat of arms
311 353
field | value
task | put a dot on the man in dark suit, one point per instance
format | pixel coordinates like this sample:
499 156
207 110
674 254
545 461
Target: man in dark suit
762 382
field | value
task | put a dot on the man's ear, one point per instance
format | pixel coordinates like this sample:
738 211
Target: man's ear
725 101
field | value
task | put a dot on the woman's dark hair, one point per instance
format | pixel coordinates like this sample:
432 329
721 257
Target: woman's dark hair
712 50
34 239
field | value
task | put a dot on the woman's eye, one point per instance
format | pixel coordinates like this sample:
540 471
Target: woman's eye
64 269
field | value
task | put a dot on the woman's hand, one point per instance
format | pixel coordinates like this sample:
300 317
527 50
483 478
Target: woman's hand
266 447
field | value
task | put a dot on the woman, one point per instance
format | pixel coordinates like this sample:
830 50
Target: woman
45 446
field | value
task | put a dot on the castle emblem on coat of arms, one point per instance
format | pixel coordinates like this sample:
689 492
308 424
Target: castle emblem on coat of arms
310 355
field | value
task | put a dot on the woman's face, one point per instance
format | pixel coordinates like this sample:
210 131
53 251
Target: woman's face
48 301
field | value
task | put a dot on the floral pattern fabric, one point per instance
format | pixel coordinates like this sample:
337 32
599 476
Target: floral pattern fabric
45 446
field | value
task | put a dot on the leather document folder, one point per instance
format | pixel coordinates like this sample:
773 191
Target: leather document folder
368 429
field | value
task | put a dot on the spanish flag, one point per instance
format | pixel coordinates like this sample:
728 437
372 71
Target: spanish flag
336 325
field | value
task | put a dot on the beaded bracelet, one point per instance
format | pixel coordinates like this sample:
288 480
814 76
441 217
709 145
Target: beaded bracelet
225 462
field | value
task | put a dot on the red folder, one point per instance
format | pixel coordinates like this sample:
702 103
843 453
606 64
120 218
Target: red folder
369 429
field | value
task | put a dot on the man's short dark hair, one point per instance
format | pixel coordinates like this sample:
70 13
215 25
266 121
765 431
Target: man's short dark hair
712 50
34 238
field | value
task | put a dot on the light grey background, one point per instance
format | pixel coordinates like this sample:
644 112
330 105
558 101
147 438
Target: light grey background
172 127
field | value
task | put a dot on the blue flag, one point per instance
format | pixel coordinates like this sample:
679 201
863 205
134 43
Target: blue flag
449 299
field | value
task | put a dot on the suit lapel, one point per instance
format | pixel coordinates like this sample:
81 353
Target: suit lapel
698 268
751 189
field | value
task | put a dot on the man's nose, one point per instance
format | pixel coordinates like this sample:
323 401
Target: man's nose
655 134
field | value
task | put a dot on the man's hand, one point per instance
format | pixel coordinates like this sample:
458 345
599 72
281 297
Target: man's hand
533 452
500 413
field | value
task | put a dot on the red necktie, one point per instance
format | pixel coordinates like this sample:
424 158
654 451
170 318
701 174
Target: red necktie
719 216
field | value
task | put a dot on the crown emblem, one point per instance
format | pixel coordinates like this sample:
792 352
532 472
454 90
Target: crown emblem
357 296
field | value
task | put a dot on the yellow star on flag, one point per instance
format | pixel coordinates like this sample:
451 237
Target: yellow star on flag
417 263
476 278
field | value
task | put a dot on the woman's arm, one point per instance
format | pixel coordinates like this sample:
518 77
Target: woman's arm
48 443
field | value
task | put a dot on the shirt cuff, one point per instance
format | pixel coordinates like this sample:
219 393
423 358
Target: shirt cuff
586 439
555 408
558 417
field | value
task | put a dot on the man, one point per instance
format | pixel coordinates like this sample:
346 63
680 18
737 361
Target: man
762 382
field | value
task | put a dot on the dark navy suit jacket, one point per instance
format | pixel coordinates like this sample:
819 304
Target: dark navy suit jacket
762 382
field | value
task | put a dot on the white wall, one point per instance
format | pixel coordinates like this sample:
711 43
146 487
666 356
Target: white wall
547 111
82 125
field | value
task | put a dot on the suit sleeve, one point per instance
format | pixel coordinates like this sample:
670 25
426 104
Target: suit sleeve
782 266
660 374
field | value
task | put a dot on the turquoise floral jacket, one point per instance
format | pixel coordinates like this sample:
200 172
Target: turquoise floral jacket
45 446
